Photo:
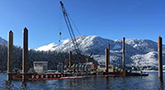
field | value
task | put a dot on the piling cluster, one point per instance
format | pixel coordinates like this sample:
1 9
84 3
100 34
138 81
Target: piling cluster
24 56
81 67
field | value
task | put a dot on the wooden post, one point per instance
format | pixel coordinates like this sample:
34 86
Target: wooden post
108 54
109 46
160 73
70 58
123 57
25 55
10 56
86 64
106 60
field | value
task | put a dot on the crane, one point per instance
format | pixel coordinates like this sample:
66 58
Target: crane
70 29
72 35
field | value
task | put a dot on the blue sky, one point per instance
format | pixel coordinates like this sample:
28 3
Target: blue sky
112 19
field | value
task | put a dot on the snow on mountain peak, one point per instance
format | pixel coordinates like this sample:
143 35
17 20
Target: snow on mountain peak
140 52
47 47
148 59
117 46
3 41
65 41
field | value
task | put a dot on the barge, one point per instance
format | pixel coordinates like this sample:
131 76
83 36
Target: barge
61 76
75 71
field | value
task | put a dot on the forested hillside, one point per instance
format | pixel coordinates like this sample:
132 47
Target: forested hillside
52 57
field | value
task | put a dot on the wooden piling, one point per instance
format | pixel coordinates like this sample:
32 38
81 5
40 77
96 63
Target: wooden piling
160 67
106 59
108 53
123 57
10 56
70 57
25 55
109 46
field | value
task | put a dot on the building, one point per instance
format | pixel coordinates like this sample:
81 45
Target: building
40 66
111 68
163 67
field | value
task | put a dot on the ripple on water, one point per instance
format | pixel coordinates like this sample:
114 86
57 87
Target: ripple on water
150 82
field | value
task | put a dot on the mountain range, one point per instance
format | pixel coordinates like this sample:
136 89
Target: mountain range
139 52
3 41
52 57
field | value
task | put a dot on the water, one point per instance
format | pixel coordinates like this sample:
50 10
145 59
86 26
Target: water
150 82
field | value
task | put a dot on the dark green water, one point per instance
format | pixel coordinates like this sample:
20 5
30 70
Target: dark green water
150 82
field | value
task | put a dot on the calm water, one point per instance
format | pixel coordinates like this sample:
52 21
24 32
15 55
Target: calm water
150 82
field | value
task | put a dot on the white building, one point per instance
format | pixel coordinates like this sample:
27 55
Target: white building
40 66
111 68
163 67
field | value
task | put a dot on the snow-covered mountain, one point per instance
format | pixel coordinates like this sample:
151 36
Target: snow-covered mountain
47 47
3 41
139 52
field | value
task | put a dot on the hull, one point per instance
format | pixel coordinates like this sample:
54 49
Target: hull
33 77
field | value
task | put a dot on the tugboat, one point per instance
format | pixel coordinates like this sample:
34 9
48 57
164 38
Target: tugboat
136 72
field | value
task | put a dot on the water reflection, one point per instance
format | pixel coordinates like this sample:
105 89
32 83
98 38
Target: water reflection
24 86
107 83
150 82
8 85
161 85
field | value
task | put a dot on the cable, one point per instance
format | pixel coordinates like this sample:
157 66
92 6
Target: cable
60 25
67 19
74 25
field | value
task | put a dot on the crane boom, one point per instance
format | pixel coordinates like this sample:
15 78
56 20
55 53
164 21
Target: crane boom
72 35
70 29
69 26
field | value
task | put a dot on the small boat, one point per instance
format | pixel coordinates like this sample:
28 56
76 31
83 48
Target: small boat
136 73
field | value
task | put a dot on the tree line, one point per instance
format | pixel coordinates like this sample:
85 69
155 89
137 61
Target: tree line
53 57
